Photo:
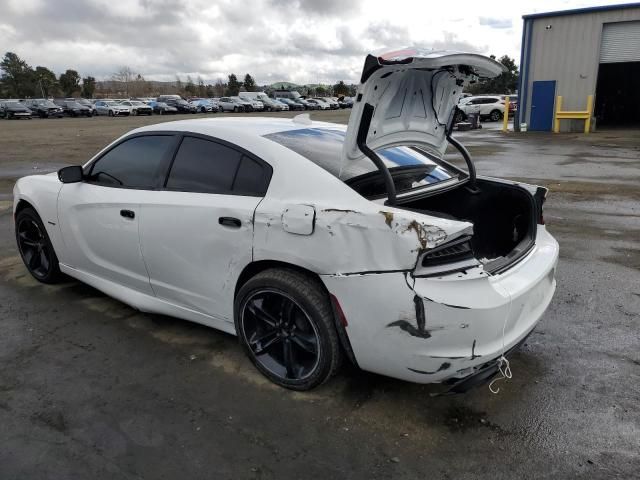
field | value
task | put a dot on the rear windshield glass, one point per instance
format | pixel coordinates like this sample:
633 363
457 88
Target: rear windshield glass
323 146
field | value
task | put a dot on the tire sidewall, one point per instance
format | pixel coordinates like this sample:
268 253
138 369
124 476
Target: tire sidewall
324 365
54 272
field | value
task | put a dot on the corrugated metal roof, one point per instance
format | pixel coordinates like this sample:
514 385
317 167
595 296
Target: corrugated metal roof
577 11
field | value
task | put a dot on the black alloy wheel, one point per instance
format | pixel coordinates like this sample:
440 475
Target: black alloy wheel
284 321
495 115
35 247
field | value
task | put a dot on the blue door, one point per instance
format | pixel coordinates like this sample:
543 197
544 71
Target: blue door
543 98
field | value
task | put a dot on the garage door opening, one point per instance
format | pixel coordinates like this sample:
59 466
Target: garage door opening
618 95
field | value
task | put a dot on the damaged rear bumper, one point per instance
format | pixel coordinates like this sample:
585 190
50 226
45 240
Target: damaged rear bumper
447 328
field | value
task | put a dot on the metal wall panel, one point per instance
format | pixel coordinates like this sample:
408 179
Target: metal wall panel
620 42
567 49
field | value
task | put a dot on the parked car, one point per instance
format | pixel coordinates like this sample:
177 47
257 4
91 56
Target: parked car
74 109
137 107
283 106
334 105
181 105
292 94
319 103
230 104
306 104
87 103
345 102
256 105
43 108
205 105
291 104
11 109
248 105
486 106
111 108
268 104
162 108
380 251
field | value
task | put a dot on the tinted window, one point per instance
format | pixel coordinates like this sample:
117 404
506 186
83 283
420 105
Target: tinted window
323 146
250 179
203 166
133 163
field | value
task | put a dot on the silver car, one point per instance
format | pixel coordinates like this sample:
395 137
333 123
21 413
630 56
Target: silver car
111 108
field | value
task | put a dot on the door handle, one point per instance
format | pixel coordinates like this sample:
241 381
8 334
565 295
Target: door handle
127 214
229 222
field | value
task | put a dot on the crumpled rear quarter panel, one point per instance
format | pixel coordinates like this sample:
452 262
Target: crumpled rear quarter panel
427 330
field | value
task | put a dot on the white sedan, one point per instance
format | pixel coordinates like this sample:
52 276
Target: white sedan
311 241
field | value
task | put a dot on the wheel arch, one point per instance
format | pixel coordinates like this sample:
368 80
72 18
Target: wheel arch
254 268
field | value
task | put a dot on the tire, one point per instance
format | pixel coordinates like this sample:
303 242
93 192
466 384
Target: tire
134 112
35 247
495 115
235 109
111 113
460 116
299 348
161 112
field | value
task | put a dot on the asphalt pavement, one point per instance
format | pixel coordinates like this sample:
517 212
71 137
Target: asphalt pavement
90 388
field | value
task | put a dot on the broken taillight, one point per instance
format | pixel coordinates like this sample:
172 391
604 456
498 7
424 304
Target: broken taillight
450 257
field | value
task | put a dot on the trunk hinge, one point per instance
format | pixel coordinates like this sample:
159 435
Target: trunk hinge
463 151
363 129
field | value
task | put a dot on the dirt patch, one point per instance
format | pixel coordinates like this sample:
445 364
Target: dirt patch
627 257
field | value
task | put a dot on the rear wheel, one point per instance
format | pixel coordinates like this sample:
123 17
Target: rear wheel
284 322
495 115
35 247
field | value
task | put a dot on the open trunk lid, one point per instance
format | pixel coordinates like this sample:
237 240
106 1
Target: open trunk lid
407 97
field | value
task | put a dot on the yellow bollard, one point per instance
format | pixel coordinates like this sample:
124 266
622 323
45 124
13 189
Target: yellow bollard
556 119
587 121
505 115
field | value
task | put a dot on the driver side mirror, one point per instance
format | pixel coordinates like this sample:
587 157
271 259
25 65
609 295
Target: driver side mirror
72 174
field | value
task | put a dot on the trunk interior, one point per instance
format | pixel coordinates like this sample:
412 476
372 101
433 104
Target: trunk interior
503 216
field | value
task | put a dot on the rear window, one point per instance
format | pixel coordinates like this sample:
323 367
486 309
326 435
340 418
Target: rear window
323 146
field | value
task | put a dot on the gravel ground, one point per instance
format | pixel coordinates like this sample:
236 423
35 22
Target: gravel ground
90 388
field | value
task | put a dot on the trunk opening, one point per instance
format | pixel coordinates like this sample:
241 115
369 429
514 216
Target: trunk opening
503 216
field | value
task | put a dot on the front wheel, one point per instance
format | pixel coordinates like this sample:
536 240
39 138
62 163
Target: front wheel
495 115
285 324
35 247
235 109
111 113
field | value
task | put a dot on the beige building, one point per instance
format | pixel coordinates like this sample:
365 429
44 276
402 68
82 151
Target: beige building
576 53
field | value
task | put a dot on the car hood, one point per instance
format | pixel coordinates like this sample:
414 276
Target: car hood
407 97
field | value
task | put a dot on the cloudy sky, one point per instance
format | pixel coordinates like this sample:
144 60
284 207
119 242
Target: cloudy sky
303 41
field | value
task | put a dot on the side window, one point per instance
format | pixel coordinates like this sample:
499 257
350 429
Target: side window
204 166
135 163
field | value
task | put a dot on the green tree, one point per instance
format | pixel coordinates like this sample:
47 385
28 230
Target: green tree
69 82
321 91
88 87
46 83
340 89
17 76
249 83
202 90
233 85
506 82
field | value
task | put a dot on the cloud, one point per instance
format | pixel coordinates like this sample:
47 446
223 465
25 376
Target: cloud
496 22
303 41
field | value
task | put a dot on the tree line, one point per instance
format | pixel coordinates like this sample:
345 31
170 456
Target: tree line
19 80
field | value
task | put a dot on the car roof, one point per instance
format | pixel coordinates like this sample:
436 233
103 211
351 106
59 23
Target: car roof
249 126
